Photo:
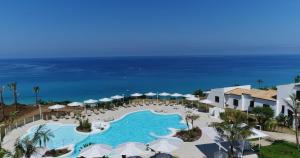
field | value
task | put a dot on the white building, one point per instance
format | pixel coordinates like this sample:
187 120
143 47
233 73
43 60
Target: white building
243 98
283 94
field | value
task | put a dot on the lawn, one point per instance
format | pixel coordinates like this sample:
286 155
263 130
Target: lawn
280 149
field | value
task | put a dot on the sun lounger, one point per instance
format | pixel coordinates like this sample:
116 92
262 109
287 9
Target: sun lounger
54 118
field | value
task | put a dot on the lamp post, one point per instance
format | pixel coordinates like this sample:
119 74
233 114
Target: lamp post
259 139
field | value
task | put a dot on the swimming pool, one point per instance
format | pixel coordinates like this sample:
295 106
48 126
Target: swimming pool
142 126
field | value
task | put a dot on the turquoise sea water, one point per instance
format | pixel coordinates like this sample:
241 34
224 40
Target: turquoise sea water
128 129
78 79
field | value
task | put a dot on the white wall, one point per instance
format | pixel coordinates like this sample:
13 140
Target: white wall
284 92
220 93
229 102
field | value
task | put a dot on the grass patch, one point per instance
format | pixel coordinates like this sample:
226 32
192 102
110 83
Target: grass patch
280 149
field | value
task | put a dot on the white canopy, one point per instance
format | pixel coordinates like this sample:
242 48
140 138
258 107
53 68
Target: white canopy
150 94
166 145
188 95
164 94
117 97
192 98
131 149
90 101
105 100
213 134
136 94
56 106
176 95
75 104
256 134
97 150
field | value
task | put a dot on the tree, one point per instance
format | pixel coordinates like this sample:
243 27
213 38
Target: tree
294 105
297 79
13 87
1 96
282 120
36 91
233 128
192 118
29 145
259 82
199 93
263 114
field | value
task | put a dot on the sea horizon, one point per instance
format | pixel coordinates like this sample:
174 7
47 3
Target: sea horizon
81 78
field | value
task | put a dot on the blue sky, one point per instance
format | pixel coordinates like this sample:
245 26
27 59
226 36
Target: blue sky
71 28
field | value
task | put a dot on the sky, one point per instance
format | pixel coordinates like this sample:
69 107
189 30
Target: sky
80 28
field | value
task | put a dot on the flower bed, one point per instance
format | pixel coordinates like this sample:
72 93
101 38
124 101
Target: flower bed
190 135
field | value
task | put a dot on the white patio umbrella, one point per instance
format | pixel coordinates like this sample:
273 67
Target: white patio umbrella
165 145
136 94
176 95
90 101
188 95
97 150
164 94
105 100
56 107
192 98
150 94
131 149
74 104
117 97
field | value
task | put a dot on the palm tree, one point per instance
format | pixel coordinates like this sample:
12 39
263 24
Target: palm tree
13 87
294 105
36 91
233 128
192 118
29 145
259 82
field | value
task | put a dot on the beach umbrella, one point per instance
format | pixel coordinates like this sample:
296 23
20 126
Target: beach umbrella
164 94
165 145
150 94
188 95
136 94
96 150
131 149
117 97
192 99
90 101
105 100
74 104
56 107
176 95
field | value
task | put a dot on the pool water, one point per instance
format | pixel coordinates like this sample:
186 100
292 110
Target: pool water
142 126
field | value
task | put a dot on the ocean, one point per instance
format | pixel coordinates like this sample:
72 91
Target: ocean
77 79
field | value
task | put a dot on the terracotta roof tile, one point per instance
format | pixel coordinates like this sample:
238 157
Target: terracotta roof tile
255 93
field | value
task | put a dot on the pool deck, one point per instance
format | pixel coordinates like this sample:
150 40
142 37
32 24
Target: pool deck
187 150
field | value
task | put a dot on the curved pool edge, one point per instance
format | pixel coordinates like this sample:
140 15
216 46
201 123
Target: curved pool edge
173 131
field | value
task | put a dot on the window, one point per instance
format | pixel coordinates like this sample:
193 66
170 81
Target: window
252 104
282 109
217 99
235 102
298 95
266 105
